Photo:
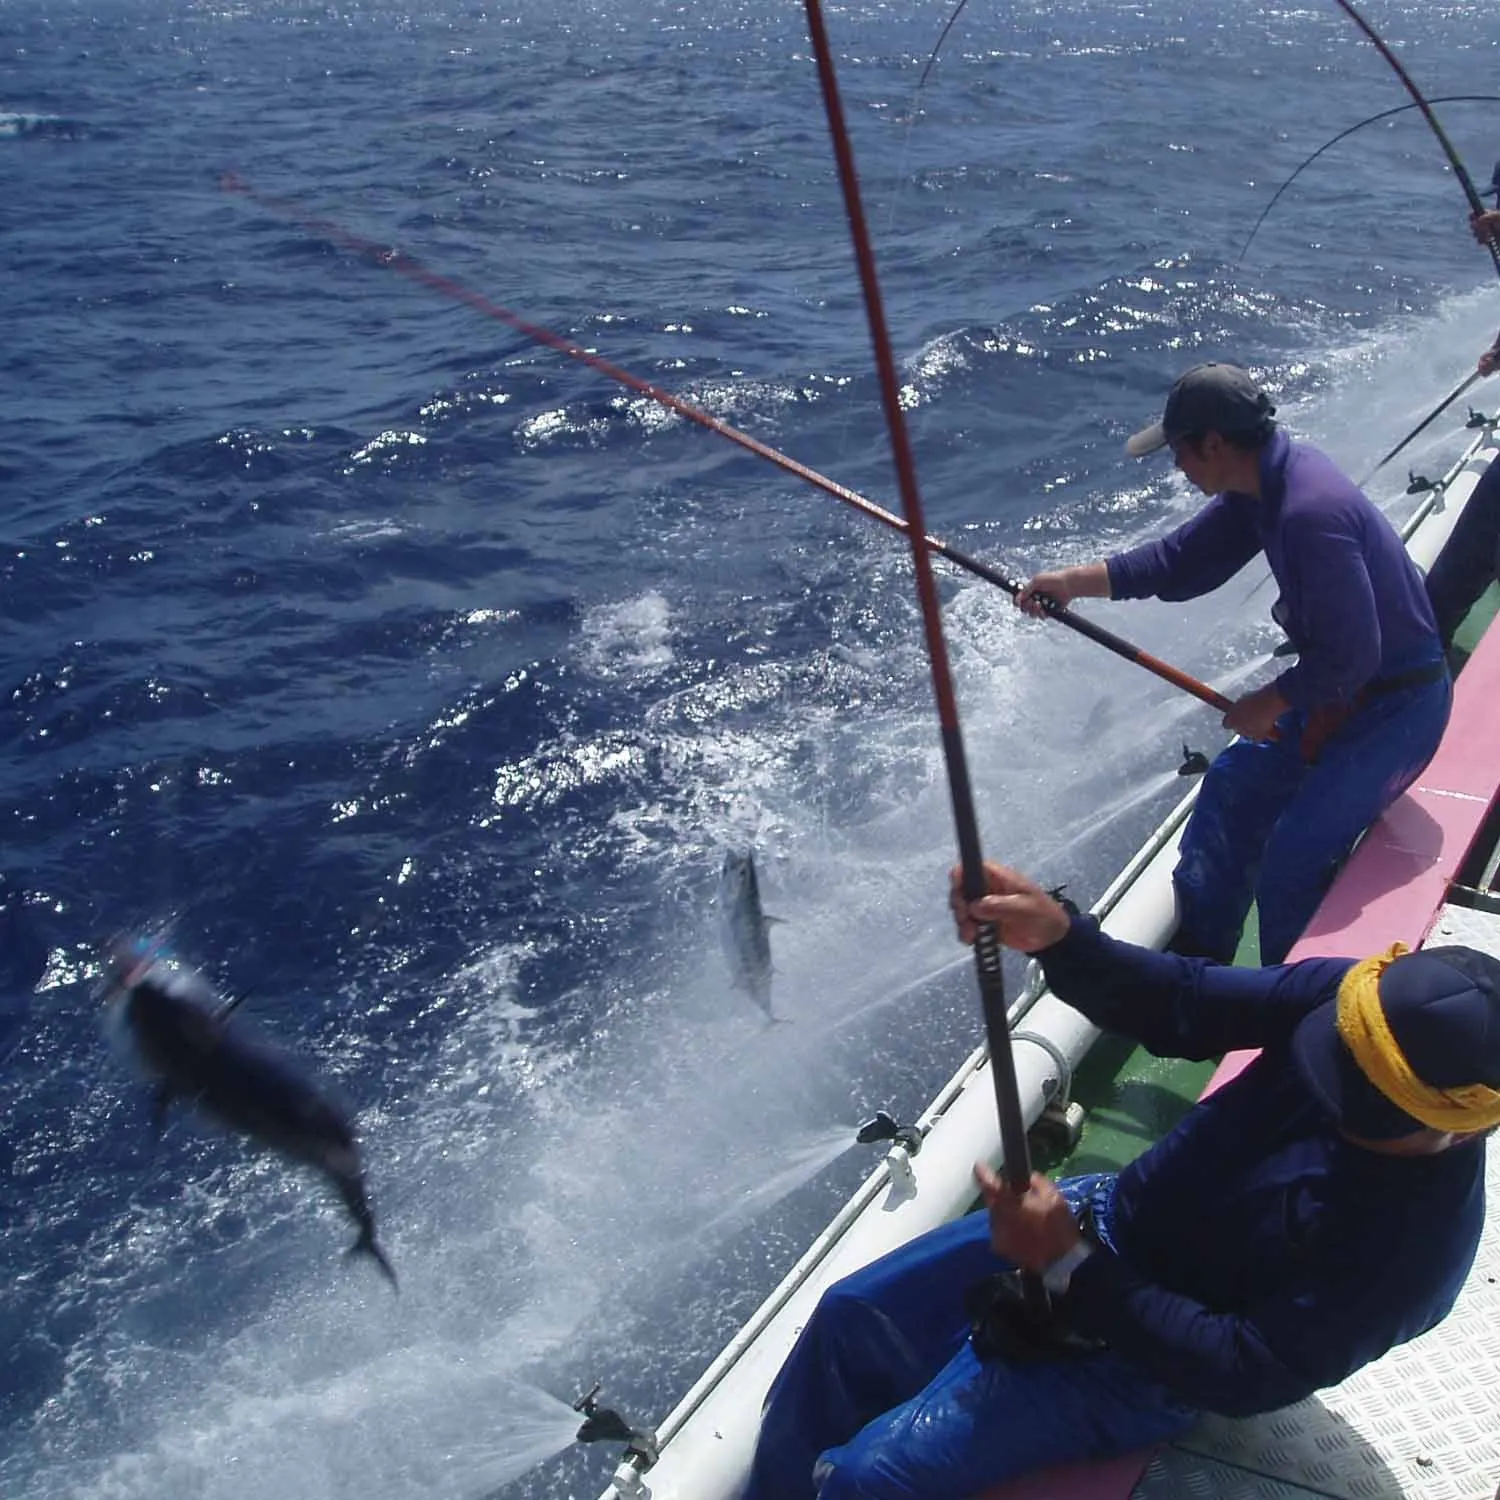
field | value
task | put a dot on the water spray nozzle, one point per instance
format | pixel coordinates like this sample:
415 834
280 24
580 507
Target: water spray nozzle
1194 762
1059 894
882 1126
603 1424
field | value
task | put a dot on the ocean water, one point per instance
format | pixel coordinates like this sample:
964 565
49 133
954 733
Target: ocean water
415 678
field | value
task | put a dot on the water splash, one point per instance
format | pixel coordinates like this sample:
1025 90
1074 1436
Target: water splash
801 1159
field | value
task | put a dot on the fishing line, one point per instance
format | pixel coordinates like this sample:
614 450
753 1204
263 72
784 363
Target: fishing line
413 269
1017 1163
913 114
914 108
1384 114
1476 204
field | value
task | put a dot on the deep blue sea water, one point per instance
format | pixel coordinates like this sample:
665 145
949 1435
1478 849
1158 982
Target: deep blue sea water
418 678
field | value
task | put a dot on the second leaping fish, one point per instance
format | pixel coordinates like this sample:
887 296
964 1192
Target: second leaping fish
745 930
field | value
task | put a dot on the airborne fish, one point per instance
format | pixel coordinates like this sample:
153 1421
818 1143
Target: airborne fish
744 929
180 1029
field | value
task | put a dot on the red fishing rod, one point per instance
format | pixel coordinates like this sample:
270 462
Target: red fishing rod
413 269
987 946
1476 203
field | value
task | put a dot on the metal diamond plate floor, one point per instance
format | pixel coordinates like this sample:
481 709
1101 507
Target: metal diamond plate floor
1423 1423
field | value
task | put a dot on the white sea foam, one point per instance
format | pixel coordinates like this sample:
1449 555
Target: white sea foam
630 638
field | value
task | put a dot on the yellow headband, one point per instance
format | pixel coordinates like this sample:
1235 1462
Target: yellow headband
1367 1034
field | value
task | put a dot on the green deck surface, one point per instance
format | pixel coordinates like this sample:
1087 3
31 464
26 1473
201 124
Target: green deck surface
1477 621
1131 1099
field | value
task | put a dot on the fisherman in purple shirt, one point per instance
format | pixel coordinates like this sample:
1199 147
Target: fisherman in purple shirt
1329 744
1318 1209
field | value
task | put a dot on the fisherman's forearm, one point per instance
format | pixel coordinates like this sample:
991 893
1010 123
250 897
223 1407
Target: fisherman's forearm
1181 1007
1087 580
1133 991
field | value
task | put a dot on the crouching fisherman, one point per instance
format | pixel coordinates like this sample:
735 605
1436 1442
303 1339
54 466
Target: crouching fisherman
181 1033
1322 1207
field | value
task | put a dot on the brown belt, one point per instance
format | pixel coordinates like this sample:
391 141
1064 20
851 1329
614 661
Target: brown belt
1325 722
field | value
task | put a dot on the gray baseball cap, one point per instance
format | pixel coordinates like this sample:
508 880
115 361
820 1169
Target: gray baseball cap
1207 398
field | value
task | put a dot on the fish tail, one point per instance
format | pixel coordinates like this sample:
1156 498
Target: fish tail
365 1245
352 1190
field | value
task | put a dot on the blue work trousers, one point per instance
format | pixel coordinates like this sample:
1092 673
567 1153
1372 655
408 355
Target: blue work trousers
1269 826
1470 559
883 1397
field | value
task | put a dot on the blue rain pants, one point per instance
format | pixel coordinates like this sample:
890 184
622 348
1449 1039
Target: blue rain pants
883 1397
1269 826
1470 559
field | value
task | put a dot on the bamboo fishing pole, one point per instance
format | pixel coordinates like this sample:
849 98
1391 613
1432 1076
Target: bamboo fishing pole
413 270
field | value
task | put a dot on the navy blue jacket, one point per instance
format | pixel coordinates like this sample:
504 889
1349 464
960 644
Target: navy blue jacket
1352 600
1258 1256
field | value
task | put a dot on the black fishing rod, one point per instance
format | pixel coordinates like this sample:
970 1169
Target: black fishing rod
943 37
1384 114
1476 203
1425 423
987 945
413 269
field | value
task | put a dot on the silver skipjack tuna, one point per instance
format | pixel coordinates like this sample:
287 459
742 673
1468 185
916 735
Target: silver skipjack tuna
745 930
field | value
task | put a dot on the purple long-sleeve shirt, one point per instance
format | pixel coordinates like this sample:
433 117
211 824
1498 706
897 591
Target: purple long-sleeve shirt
1352 601
1258 1256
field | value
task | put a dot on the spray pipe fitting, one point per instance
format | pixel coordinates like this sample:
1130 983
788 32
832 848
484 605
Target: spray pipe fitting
602 1424
1060 1126
628 1483
1060 1094
1478 419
